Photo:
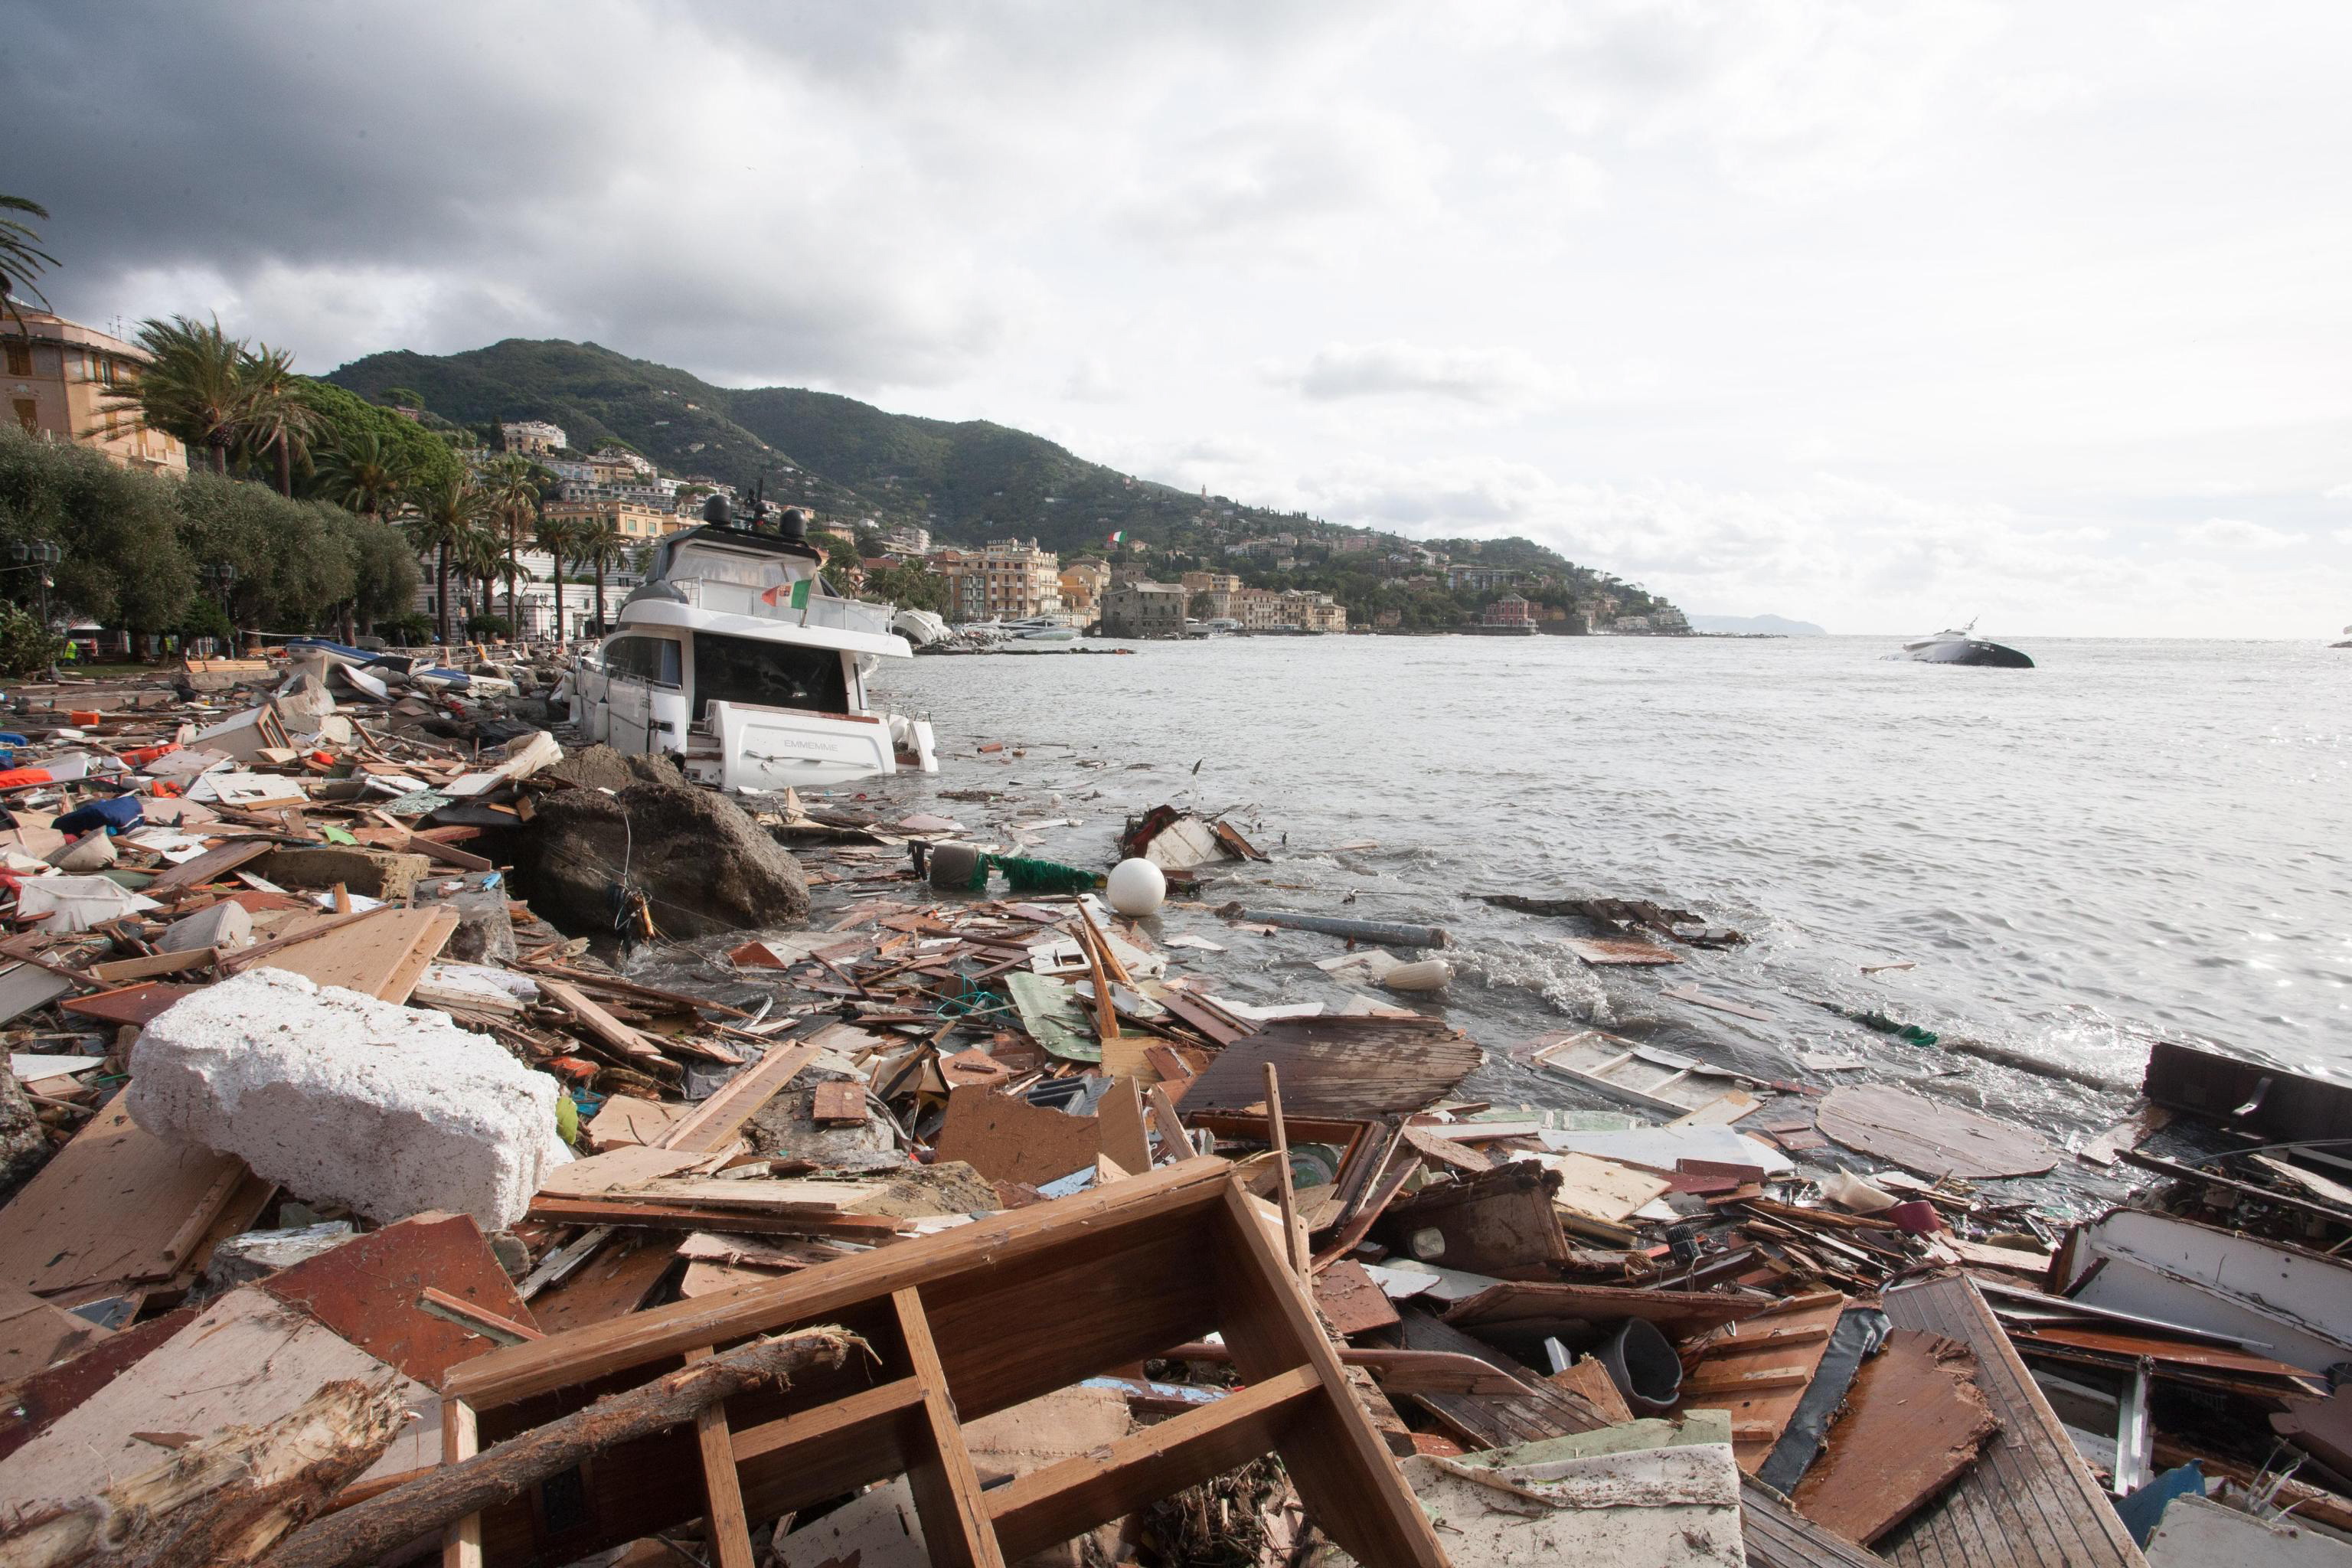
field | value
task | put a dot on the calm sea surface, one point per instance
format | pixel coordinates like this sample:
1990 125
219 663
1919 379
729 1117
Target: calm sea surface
2135 840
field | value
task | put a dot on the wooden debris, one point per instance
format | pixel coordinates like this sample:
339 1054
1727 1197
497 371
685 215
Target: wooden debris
1913 1422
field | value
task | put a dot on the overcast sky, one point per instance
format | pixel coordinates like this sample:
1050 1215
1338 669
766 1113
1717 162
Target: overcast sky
1878 314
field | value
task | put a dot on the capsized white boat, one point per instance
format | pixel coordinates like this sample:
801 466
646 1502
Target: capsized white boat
1962 646
737 658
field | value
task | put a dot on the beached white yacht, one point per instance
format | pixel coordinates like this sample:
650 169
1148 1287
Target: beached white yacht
736 656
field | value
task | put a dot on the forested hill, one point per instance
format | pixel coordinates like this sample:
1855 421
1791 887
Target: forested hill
967 481
844 457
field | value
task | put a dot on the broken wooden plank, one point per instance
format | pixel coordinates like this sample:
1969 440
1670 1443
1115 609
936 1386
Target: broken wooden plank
115 1206
716 1121
381 953
1915 1420
1341 1067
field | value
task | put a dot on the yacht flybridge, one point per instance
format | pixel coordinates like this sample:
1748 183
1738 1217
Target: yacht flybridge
737 658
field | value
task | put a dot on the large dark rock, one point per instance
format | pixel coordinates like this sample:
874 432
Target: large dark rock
706 866
601 767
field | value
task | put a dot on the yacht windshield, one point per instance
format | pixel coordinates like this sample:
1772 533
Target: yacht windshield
767 674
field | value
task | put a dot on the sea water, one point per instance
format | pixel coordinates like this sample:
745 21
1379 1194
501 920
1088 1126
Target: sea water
2136 841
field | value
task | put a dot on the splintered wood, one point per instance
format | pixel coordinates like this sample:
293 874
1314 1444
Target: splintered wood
1914 1421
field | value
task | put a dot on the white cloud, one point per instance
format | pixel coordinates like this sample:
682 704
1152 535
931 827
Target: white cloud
1484 376
1627 274
2236 533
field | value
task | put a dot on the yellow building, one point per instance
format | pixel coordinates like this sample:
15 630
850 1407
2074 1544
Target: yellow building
1006 580
62 380
633 521
1082 584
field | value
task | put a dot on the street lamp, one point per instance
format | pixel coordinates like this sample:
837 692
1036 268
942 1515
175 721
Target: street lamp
40 557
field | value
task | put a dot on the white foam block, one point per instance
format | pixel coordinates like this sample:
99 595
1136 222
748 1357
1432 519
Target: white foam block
342 1097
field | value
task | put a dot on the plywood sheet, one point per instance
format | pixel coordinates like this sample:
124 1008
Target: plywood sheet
367 1290
210 865
35 1335
1602 1189
1344 1068
1931 1137
384 956
24 987
1350 1300
115 1206
247 1358
1915 1421
1010 1140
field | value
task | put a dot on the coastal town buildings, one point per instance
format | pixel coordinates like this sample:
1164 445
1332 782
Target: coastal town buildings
64 381
628 466
533 437
907 542
1210 583
1269 609
1312 612
1478 579
1144 610
1083 583
1511 610
1003 580
534 596
635 521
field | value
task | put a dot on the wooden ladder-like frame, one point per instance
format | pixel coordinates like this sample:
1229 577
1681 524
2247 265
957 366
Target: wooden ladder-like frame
962 1324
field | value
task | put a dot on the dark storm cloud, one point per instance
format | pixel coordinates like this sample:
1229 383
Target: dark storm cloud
756 191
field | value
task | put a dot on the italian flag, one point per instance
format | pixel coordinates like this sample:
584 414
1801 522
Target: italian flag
1119 537
798 598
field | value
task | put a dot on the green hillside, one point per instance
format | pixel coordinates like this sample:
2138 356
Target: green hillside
967 481
846 458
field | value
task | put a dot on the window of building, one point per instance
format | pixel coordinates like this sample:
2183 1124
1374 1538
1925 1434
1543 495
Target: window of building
644 659
28 416
768 675
20 359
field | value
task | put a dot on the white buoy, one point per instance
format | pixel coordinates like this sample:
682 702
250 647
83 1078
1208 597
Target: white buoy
1136 889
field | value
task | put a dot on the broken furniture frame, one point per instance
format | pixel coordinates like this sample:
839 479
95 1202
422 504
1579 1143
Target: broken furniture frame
964 1323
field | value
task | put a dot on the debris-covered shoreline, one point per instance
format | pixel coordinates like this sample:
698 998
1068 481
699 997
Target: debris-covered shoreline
417 1127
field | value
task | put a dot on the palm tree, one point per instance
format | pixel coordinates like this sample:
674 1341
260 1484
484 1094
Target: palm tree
479 554
514 498
559 536
276 418
366 473
21 258
195 385
446 514
599 545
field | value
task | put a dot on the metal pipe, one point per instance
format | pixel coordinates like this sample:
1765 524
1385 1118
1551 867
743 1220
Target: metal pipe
1383 932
